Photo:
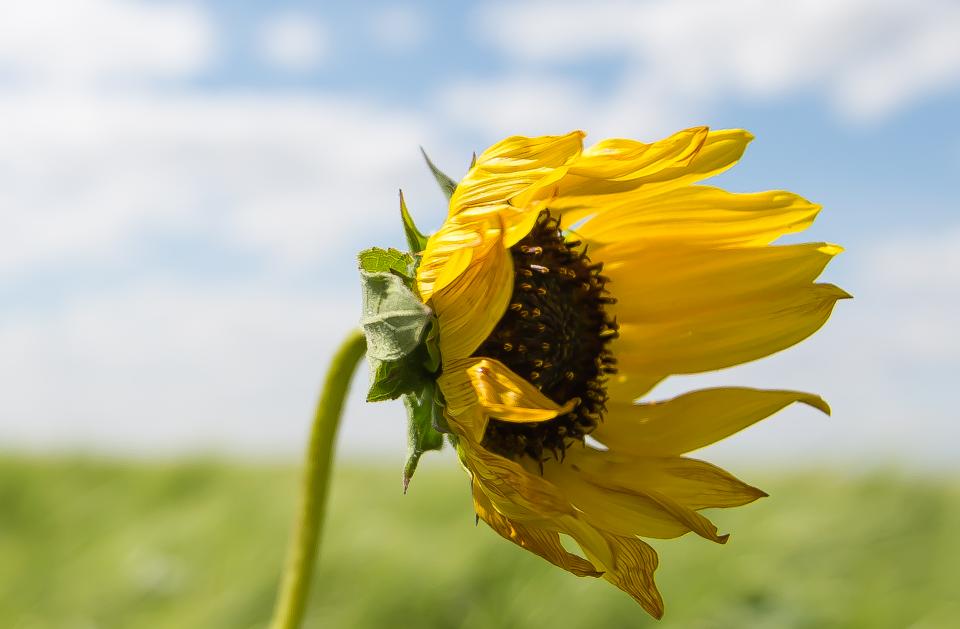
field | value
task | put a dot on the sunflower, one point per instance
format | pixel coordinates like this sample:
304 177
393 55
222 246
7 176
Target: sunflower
566 283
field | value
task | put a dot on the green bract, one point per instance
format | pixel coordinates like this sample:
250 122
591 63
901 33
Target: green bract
446 184
415 239
402 346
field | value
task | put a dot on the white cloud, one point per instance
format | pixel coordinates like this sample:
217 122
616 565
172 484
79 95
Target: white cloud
293 42
915 281
98 160
90 173
528 105
284 177
169 367
868 59
84 42
399 28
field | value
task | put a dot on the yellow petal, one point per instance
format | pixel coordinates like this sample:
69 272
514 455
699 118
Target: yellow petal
727 334
448 253
720 150
580 196
701 214
624 160
620 510
514 491
698 485
689 483
630 566
469 307
656 284
539 541
513 165
697 523
490 388
693 420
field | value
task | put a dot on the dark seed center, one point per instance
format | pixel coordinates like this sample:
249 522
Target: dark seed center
554 334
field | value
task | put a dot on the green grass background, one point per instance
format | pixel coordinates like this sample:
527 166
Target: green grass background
88 544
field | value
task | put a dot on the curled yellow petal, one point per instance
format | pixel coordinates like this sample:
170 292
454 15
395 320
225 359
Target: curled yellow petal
539 541
469 306
580 196
476 389
620 160
627 562
516 492
513 165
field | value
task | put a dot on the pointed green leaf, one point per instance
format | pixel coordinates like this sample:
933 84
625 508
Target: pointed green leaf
393 319
446 184
415 238
421 435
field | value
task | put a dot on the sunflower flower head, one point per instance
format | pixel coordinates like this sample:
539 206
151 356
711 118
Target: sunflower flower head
564 284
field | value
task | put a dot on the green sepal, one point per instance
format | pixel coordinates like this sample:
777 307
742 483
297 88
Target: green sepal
394 319
422 407
415 238
395 323
403 348
393 378
447 185
377 260
431 347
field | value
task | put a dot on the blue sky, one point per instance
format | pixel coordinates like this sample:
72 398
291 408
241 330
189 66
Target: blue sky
183 186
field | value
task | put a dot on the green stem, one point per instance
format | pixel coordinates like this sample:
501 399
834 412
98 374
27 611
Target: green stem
292 599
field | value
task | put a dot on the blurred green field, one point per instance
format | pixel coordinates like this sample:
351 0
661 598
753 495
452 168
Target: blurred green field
95 544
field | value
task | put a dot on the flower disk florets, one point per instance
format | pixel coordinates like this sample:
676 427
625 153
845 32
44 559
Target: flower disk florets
554 334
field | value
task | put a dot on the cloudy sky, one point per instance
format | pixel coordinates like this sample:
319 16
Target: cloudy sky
183 187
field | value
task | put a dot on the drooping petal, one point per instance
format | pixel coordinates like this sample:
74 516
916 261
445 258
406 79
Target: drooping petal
627 563
690 483
693 420
697 523
540 541
698 485
476 389
701 215
516 492
624 508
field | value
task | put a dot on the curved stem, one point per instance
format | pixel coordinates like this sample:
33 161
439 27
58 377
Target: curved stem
302 553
